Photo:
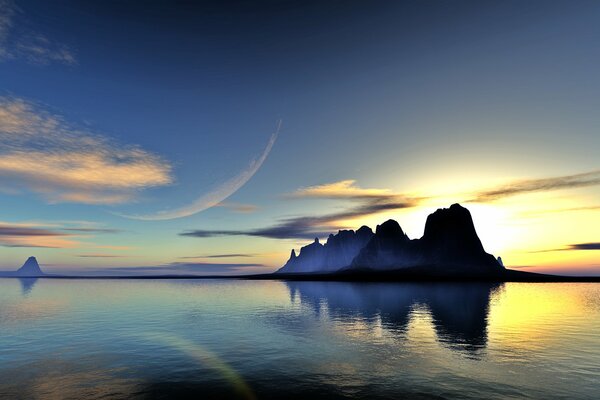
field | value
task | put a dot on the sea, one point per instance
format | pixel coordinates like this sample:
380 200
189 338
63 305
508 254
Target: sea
272 339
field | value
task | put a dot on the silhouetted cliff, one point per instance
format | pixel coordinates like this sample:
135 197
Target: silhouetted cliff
449 244
450 240
337 253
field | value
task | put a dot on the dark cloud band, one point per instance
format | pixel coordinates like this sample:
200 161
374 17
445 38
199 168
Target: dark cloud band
310 227
539 185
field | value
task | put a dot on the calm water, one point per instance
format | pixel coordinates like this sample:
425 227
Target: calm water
115 339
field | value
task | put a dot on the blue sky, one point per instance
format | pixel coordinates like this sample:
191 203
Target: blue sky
131 108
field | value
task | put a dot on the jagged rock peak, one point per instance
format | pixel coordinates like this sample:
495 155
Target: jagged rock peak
293 255
389 228
453 220
338 251
364 230
31 268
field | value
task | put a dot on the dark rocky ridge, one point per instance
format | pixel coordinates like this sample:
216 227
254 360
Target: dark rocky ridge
449 244
337 253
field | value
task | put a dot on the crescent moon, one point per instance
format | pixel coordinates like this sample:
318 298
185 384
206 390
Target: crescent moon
220 193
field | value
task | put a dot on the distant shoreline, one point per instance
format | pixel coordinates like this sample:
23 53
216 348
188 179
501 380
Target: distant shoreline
396 276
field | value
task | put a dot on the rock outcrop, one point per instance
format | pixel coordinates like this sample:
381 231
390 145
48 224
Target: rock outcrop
449 242
30 269
337 253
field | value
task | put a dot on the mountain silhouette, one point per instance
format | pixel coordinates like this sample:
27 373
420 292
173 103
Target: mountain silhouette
449 246
337 253
30 269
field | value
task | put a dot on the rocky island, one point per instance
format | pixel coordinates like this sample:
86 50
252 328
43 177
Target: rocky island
30 269
449 247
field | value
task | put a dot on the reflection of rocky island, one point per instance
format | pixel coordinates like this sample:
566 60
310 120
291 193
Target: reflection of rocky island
449 247
27 285
459 310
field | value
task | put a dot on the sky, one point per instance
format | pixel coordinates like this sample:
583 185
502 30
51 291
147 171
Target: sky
213 137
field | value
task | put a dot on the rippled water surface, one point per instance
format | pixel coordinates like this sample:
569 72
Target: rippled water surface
114 339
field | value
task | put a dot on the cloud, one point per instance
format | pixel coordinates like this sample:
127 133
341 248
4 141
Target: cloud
346 189
561 210
181 268
92 255
38 49
7 11
573 247
42 153
239 207
53 234
17 42
308 227
220 193
25 235
110 247
92 230
232 255
585 246
366 202
539 185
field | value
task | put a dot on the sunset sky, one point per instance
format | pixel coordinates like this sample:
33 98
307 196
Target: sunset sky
214 138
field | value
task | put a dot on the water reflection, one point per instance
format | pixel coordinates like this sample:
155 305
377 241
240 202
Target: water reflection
27 285
459 311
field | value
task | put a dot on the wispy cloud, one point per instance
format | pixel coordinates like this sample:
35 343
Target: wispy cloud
231 255
239 207
26 235
370 202
99 255
52 234
573 247
346 189
117 248
17 42
539 185
585 246
185 268
40 152
561 210
92 230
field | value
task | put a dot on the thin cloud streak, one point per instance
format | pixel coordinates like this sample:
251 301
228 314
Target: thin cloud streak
233 255
539 185
17 43
573 247
185 268
346 189
561 210
309 227
218 195
92 230
585 246
101 256
238 207
29 234
25 235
